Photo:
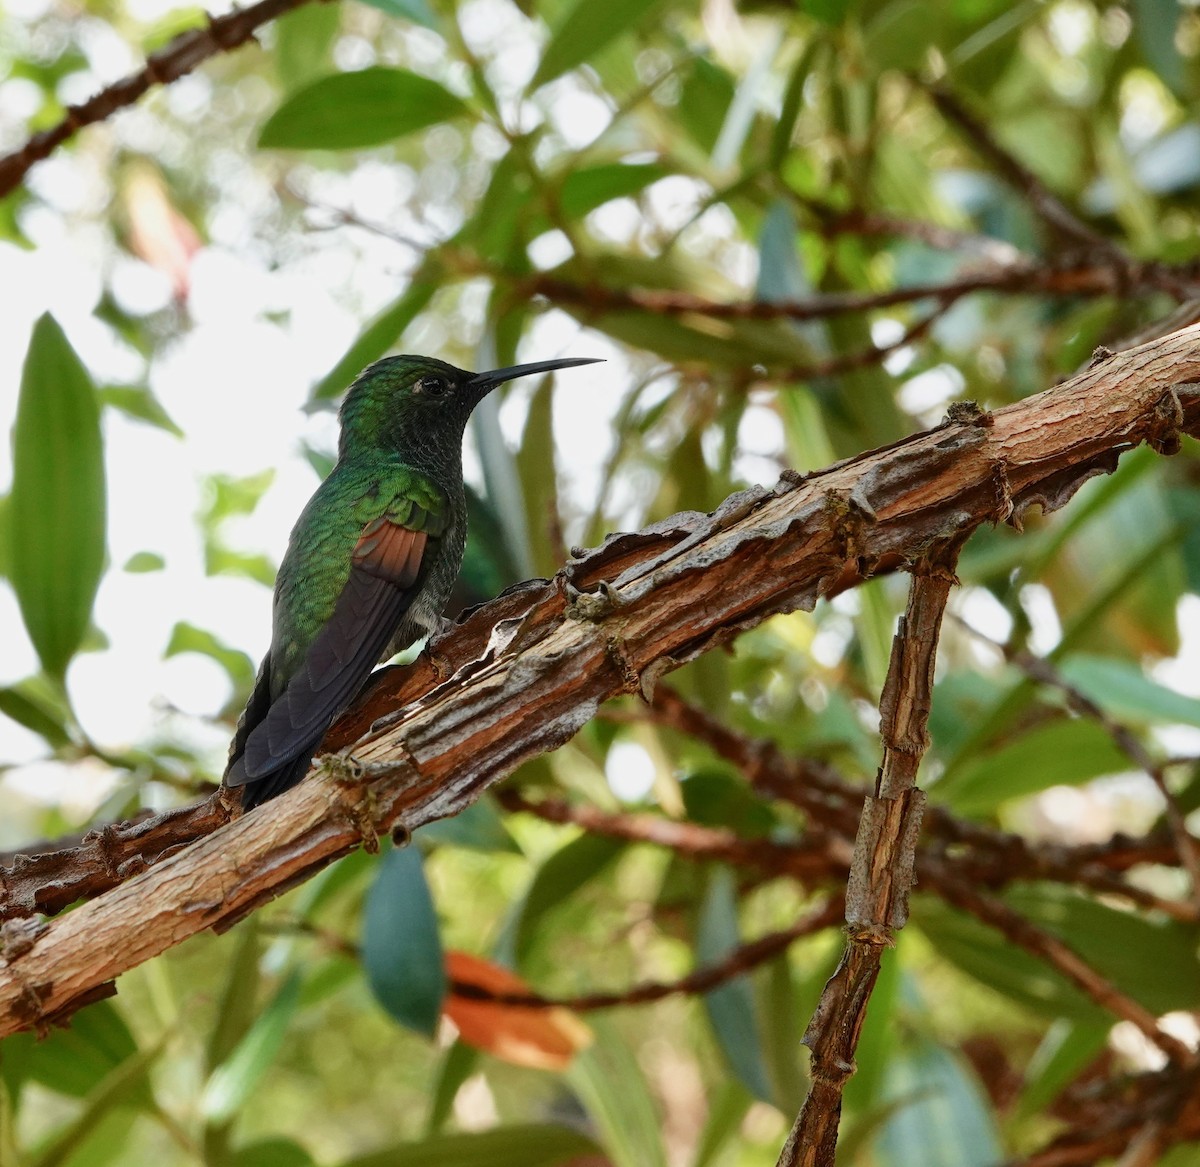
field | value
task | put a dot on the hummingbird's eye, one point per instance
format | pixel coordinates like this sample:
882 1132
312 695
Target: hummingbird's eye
432 386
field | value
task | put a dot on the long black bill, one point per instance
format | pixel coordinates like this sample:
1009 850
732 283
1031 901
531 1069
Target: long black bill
484 383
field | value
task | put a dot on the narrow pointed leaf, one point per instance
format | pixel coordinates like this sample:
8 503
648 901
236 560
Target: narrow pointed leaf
355 110
588 28
57 506
232 1082
401 948
731 1007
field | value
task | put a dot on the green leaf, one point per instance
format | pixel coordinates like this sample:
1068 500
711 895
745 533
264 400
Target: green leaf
947 1121
1153 961
354 110
1155 23
537 472
591 187
615 1093
304 41
478 828
271 1153
531 1145
222 560
139 403
143 561
1066 1050
124 1086
230 496
1123 691
71 1061
993 960
588 28
457 1066
379 335
57 506
29 703
559 878
232 1082
418 11
401 948
238 666
1066 752
235 1009
730 1007
725 1115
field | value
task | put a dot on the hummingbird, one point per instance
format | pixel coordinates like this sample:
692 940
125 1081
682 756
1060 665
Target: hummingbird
370 563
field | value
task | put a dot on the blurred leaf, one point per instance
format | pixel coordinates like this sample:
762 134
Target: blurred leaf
1066 1050
271 1153
124 1086
611 1086
355 110
230 496
417 11
716 798
707 95
144 561
726 1113
1155 962
221 560
478 828
457 1066
989 957
139 403
1125 692
587 29
530 1145
1155 23
586 189
71 1061
559 878
304 41
544 1039
56 513
236 1007
946 1122
29 703
237 665
730 1007
379 336
233 1081
538 473
781 1038
401 948
1065 752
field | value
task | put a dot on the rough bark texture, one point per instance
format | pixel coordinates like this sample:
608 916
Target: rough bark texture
519 676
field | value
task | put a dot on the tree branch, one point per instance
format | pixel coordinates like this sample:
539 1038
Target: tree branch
181 55
527 670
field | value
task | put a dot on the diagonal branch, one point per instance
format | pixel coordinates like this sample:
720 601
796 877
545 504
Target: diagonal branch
522 674
222 34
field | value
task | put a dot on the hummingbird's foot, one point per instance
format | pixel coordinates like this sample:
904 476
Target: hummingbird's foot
439 663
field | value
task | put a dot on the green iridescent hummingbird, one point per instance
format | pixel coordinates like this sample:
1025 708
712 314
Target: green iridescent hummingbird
370 563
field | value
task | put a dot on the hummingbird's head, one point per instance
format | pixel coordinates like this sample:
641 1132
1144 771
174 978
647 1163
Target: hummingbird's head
400 399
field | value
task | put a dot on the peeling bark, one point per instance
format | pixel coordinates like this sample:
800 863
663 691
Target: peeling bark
519 676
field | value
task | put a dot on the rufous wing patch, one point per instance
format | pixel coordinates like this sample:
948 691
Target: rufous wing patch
390 551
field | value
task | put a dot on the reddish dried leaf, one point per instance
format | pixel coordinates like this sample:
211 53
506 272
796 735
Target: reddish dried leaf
525 1035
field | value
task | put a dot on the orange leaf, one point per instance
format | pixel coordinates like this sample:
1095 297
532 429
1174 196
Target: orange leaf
525 1035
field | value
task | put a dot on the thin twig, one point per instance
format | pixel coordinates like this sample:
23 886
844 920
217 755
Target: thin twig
883 868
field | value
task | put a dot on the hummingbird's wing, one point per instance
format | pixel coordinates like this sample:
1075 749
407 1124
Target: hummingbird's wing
384 579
